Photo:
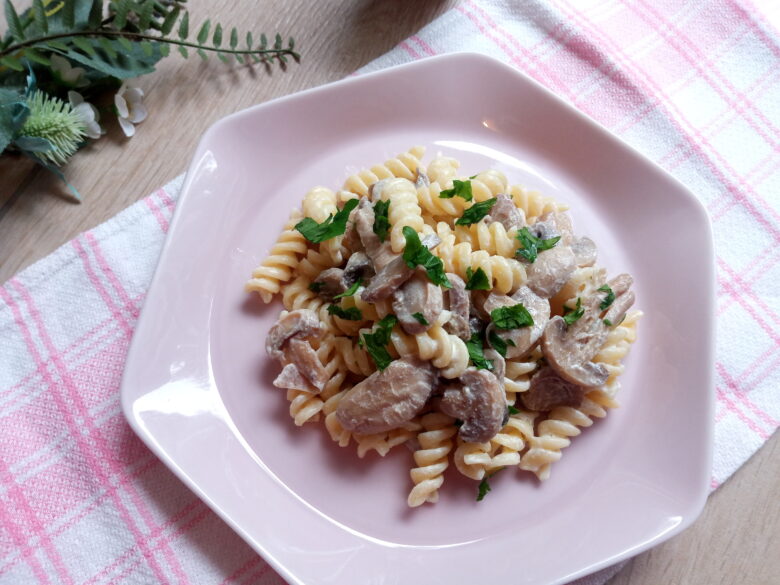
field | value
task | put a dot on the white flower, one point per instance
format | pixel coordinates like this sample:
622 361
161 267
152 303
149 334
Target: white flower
87 113
73 76
129 108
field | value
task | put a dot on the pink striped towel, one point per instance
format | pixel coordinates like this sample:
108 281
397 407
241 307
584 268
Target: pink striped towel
694 85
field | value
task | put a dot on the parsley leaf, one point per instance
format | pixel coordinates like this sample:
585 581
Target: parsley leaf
350 314
607 322
350 291
531 245
376 342
316 286
511 317
476 212
512 410
415 254
498 343
420 318
474 345
477 280
609 299
381 222
484 485
333 226
572 315
459 189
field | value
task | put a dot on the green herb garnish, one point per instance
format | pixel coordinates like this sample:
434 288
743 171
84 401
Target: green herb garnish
350 314
498 343
477 280
316 286
476 212
459 189
334 225
376 342
607 322
511 317
484 485
609 299
415 254
512 410
571 315
476 353
349 292
381 221
531 245
420 318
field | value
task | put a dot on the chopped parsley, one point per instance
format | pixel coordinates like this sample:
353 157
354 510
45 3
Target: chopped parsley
512 317
484 485
609 299
381 221
476 212
512 410
571 315
459 189
350 291
477 280
376 342
476 353
316 286
420 318
350 314
416 254
499 344
333 226
531 245
607 322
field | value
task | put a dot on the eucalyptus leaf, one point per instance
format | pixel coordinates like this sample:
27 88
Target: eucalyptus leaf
14 24
184 26
203 33
33 144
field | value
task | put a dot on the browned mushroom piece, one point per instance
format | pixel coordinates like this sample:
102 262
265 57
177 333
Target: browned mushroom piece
553 224
459 305
418 296
358 267
521 340
330 283
570 349
505 212
301 354
479 401
392 275
585 252
551 270
548 390
291 378
387 399
301 323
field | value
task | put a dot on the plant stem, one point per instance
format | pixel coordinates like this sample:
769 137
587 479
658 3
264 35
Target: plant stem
144 37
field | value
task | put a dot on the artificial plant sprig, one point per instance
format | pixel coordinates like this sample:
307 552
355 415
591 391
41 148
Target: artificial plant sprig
95 46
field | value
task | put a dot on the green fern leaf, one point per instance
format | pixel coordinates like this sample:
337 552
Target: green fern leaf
39 15
291 43
263 42
222 57
122 10
147 48
58 45
183 51
278 42
125 44
95 13
84 45
69 14
14 24
239 58
126 64
11 63
108 47
165 49
233 38
217 38
36 57
249 40
145 11
203 33
202 55
184 26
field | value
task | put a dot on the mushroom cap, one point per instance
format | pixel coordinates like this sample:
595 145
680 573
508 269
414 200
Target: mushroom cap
387 399
548 390
478 399
301 323
551 270
565 354
418 295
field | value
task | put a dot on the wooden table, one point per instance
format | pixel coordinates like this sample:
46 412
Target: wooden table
735 541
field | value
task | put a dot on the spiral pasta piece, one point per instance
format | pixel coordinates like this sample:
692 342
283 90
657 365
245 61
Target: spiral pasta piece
493 239
383 442
281 262
431 458
305 406
472 459
445 351
356 359
487 184
319 204
437 207
404 210
337 432
533 203
442 169
519 370
508 444
504 274
405 165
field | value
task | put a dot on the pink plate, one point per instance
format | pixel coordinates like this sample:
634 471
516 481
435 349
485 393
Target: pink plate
197 384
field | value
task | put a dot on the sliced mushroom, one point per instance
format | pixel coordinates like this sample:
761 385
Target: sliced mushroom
291 378
499 364
387 399
570 349
505 212
301 354
553 224
458 305
422 179
301 323
358 267
478 399
585 252
418 296
393 274
379 252
548 390
521 340
330 283
551 270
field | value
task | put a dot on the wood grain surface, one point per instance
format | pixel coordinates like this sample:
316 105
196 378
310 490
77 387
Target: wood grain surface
735 540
